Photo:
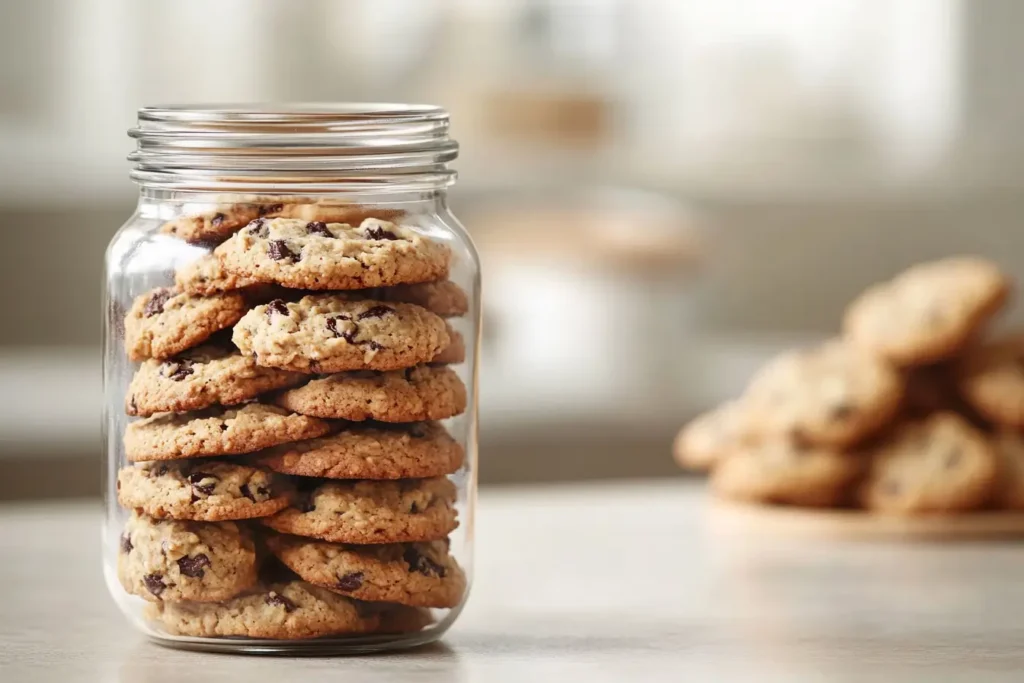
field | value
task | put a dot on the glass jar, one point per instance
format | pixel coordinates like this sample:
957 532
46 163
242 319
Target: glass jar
290 361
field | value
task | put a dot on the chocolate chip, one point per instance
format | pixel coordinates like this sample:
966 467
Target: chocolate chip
258 228
244 488
126 543
217 219
375 346
275 598
348 335
177 370
375 312
378 233
154 583
265 209
418 562
414 508
351 581
318 228
223 426
156 302
193 566
206 489
279 251
277 306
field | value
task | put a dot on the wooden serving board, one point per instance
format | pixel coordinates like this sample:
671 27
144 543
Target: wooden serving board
752 518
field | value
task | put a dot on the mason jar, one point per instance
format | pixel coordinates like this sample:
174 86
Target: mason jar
290 363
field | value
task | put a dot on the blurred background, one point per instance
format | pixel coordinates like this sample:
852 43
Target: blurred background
664 192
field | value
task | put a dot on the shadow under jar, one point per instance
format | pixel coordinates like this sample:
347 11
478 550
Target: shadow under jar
290 360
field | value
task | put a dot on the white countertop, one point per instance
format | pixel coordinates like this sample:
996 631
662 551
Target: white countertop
597 583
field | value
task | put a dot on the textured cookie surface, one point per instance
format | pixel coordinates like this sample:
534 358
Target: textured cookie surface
788 472
929 312
203 490
939 464
370 451
202 377
317 255
417 574
174 560
710 437
216 225
164 322
280 611
217 431
834 394
410 395
1009 488
371 511
326 333
991 379
205 277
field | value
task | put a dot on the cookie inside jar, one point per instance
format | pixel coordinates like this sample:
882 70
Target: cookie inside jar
289 366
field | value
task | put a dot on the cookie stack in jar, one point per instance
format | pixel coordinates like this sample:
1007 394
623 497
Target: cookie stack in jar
914 409
288 473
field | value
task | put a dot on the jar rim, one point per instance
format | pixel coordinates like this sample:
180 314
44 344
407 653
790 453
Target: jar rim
405 147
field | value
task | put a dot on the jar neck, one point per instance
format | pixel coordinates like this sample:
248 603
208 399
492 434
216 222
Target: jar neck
413 202
376 152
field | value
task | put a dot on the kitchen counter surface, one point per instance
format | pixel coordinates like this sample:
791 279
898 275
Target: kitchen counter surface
636 581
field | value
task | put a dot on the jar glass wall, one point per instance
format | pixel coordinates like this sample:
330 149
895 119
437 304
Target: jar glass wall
292 320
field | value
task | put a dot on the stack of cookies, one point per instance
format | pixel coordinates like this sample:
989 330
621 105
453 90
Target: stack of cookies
909 411
288 474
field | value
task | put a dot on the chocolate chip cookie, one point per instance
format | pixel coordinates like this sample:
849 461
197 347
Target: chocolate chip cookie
207 375
217 431
708 438
417 574
929 312
834 394
216 225
168 560
411 395
367 512
165 321
204 490
1009 489
991 379
326 333
317 255
335 211
279 611
939 464
445 298
788 472
370 451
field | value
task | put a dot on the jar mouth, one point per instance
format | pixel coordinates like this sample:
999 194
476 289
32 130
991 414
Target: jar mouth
302 147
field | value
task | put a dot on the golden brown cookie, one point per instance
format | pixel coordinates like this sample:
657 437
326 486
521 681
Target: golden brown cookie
201 377
217 431
710 437
939 464
371 450
326 333
366 512
929 312
991 379
417 574
787 472
834 394
164 322
1009 489
201 489
411 395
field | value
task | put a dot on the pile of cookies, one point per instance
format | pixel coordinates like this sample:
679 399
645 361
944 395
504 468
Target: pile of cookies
287 476
910 411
